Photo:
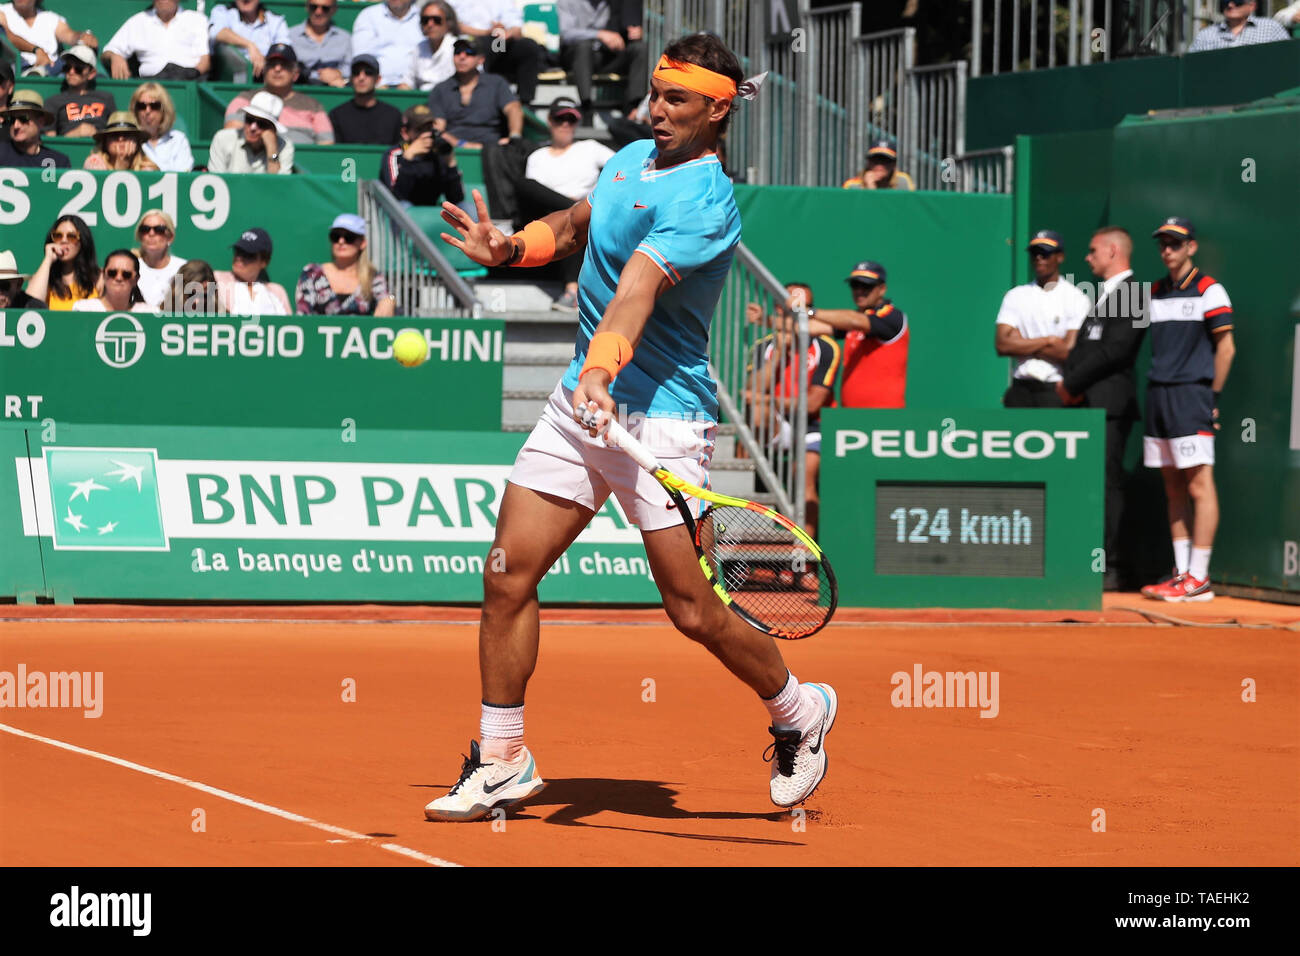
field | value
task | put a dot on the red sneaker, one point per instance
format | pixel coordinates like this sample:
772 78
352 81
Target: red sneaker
1185 588
1151 590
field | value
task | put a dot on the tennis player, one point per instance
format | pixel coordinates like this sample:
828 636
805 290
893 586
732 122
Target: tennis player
659 231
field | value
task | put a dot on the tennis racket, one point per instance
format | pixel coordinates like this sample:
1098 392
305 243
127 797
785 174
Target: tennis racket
760 563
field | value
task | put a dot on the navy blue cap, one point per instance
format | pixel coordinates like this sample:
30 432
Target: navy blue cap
1047 239
867 272
365 59
1177 227
883 149
465 45
255 241
282 51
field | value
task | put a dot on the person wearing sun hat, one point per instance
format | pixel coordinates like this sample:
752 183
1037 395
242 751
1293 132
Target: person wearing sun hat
119 145
259 146
12 295
25 117
882 170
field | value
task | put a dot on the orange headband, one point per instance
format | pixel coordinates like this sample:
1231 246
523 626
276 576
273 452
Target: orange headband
696 78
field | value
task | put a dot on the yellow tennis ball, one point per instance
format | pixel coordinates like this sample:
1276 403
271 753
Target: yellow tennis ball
410 348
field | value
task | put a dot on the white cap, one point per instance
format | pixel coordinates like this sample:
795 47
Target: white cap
81 52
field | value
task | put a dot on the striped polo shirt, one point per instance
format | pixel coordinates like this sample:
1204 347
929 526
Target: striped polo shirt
1184 314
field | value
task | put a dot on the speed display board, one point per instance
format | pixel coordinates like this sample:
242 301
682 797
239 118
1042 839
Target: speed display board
987 508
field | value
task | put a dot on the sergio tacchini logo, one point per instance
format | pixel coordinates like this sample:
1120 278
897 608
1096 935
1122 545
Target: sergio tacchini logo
119 340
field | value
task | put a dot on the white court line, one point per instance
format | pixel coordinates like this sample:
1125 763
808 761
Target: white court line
232 797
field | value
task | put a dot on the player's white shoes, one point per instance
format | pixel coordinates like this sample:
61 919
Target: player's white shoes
799 760
485 786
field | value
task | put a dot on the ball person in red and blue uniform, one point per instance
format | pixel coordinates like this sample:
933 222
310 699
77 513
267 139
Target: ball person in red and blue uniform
659 233
875 343
1191 352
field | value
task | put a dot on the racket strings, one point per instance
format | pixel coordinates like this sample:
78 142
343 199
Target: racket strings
770 573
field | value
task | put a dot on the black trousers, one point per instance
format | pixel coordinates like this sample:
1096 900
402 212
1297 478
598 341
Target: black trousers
1117 432
520 61
624 131
587 57
1023 393
536 201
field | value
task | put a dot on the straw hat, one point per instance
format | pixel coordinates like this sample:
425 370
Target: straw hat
120 121
29 101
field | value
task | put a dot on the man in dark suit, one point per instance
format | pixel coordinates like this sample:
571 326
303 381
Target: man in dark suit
1098 372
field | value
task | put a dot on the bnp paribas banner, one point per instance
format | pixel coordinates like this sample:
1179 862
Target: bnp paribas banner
138 513
297 370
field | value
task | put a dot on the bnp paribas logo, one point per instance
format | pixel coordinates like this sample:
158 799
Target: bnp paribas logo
105 499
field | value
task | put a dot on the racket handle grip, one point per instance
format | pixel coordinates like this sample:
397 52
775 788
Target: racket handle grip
616 434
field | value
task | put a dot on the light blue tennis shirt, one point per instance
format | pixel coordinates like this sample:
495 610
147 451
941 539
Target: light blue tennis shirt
684 218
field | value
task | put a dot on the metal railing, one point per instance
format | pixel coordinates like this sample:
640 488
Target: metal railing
418 274
881 64
1049 33
771 433
936 123
984 171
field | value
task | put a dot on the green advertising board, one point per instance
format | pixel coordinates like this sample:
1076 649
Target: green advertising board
267 514
304 371
967 508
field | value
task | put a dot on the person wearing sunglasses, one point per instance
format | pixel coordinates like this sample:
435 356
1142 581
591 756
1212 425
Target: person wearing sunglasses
118 145
36 34
69 272
302 119
324 50
365 118
247 288
155 232
388 31
259 146
558 175
1037 325
12 295
79 109
1238 27
120 290
25 117
348 284
431 60
156 114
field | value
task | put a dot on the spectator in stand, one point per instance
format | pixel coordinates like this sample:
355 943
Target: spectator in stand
79 109
423 169
348 284
431 60
1239 27
36 34
876 346
121 290
168 43
882 170
302 119
193 291
247 289
259 147
248 26
634 126
770 391
364 119
69 272
155 232
597 39
324 50
12 295
500 26
558 175
118 145
156 113
6 88
389 33
478 111
25 117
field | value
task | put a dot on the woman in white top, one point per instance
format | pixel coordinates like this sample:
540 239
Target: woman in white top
556 177
156 231
246 289
156 114
37 33
121 293
431 60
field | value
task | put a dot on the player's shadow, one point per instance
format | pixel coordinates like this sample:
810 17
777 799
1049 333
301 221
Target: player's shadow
582 797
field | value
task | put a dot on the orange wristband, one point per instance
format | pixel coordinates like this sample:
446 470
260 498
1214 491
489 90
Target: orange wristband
537 243
609 351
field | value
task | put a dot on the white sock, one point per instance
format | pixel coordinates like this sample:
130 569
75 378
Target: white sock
1200 566
789 708
1182 554
501 731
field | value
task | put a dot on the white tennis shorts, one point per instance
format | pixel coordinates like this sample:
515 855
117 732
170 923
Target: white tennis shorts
1185 452
560 458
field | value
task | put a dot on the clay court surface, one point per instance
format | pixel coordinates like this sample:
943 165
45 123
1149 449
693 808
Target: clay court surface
1143 720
